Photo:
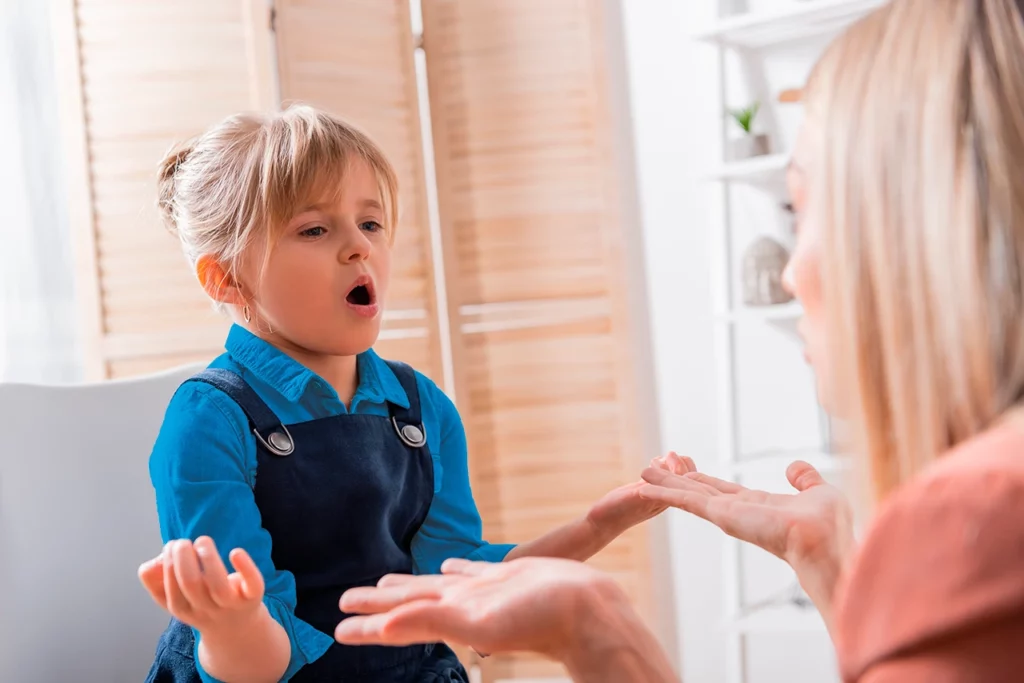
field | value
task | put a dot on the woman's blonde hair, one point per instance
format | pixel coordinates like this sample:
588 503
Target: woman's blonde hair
920 195
243 179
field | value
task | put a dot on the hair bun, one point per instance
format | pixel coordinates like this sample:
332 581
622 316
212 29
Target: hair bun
167 183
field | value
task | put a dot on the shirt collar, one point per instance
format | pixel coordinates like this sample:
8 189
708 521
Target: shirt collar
377 382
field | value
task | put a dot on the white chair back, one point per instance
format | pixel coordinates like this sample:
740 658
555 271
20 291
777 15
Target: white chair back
77 517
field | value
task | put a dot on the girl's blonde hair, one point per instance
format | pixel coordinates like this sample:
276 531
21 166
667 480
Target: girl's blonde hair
920 195
246 177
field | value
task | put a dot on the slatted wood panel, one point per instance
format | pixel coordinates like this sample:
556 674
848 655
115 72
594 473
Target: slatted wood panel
528 203
355 59
137 77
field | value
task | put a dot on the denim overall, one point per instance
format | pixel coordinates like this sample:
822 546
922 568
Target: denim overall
342 498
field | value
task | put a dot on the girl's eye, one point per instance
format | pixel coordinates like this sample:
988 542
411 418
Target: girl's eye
315 231
371 226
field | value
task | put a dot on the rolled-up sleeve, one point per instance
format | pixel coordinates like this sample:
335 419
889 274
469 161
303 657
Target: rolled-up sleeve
203 468
452 528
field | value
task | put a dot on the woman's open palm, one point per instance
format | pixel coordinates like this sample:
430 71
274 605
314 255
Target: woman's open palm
813 523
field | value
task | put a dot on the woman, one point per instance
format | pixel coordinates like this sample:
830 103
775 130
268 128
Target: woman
908 184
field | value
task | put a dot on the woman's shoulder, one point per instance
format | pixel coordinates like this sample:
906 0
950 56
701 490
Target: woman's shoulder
942 555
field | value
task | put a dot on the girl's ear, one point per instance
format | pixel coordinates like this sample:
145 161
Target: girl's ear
219 285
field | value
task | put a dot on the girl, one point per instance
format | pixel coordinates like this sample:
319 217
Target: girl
319 465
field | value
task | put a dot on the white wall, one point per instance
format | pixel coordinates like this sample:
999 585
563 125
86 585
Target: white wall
677 131
671 80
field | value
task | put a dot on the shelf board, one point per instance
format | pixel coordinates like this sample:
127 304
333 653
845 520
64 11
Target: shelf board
758 169
782 619
775 314
775 463
795 21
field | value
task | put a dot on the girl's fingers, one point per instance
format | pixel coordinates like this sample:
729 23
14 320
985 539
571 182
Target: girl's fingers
151 574
214 572
676 465
190 577
177 604
251 583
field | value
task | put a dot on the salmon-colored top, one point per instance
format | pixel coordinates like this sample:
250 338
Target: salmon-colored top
936 591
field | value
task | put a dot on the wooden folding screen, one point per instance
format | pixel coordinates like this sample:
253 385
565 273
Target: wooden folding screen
138 76
530 211
135 77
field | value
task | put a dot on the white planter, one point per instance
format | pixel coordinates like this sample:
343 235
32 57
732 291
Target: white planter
749 146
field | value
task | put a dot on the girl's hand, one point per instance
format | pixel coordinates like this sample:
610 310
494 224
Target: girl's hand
189 580
624 508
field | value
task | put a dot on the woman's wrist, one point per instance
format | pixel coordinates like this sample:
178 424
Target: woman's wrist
610 642
820 575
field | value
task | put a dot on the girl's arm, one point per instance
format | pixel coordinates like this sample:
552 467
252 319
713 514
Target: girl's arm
583 538
203 468
453 527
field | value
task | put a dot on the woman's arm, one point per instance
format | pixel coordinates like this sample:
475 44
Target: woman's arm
564 610
936 591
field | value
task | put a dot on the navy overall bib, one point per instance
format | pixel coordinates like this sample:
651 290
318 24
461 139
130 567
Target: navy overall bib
342 498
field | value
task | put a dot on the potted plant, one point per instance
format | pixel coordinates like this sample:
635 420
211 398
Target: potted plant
749 144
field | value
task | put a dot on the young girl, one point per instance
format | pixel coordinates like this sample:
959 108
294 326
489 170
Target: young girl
319 465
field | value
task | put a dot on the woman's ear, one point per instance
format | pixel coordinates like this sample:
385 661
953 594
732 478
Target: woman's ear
219 285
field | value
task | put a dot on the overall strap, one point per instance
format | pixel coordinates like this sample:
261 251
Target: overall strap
408 422
268 429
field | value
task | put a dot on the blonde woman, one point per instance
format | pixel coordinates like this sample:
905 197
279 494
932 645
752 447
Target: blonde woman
908 183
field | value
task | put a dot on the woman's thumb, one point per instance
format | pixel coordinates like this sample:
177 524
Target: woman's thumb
803 476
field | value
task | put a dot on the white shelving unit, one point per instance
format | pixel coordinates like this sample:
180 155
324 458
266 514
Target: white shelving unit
756 170
751 36
799 20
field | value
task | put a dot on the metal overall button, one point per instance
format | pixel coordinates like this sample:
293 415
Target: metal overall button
279 442
413 436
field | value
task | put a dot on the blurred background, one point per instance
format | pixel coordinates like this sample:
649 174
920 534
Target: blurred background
592 234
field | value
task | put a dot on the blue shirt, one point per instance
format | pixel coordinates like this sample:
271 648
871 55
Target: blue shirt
203 468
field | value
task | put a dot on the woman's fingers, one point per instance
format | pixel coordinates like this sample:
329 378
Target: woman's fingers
372 600
251 580
714 482
467 567
803 476
694 502
214 572
417 622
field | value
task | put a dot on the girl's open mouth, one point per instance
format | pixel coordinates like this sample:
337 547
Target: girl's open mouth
362 298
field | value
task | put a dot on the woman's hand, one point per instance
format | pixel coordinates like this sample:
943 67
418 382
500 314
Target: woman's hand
811 529
558 608
189 580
